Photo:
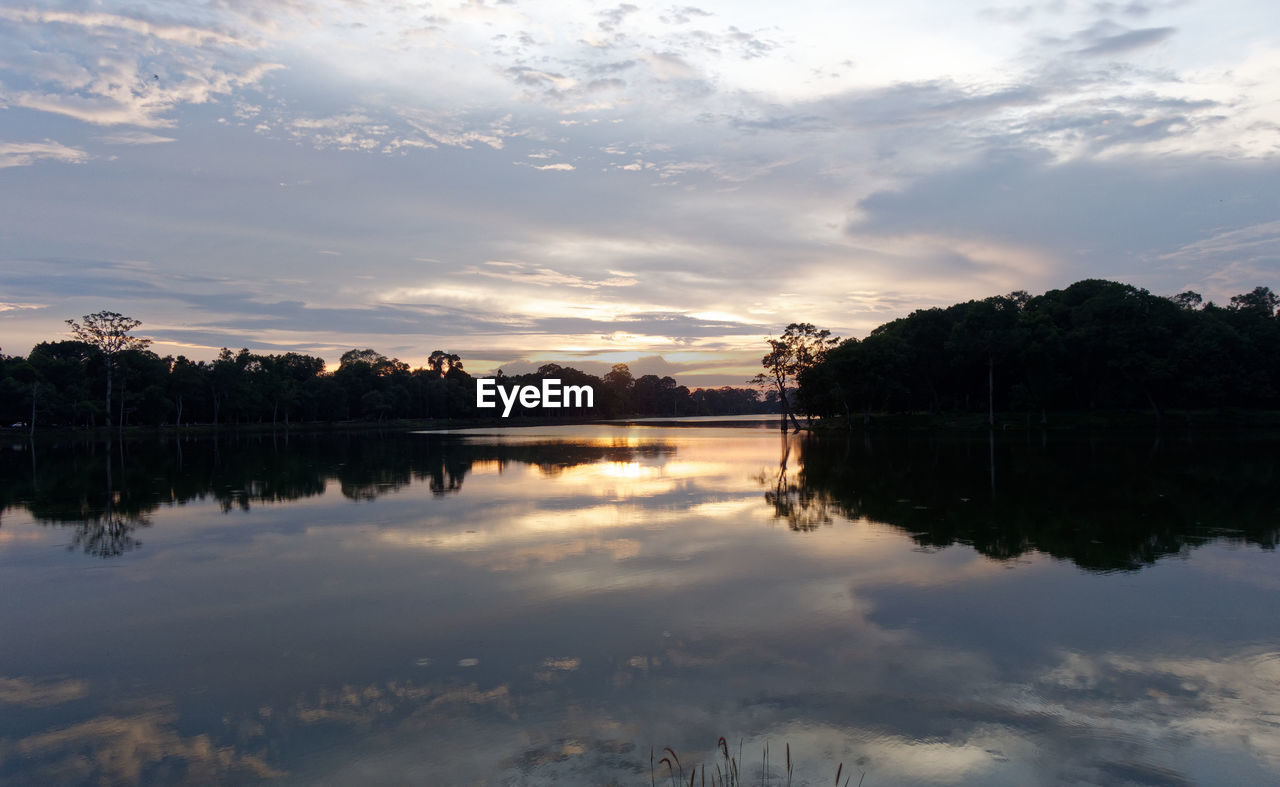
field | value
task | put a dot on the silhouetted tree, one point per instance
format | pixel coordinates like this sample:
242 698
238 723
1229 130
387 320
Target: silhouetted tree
108 332
800 347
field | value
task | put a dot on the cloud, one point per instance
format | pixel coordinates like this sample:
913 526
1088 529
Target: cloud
109 69
40 694
186 35
24 154
457 129
712 156
683 15
524 273
110 100
1129 40
668 66
1159 226
127 747
8 306
534 78
133 138
612 18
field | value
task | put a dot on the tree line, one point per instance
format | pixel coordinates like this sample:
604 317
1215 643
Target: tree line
105 376
1095 345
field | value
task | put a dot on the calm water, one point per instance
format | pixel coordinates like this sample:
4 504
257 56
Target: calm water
544 605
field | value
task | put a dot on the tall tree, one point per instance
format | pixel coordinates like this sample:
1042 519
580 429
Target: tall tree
984 332
800 347
109 333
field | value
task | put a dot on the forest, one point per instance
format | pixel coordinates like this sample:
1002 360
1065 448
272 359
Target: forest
1095 345
62 384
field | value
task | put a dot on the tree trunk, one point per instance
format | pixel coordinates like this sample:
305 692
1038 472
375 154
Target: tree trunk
786 408
108 391
34 390
991 391
179 423
1154 406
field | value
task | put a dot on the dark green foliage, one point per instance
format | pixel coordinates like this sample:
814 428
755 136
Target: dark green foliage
1096 345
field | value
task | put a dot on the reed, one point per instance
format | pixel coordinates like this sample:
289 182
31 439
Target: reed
727 772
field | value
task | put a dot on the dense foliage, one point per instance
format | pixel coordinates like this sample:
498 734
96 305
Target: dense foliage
62 383
1092 346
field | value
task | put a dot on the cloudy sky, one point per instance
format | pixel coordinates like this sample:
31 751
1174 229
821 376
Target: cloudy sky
589 183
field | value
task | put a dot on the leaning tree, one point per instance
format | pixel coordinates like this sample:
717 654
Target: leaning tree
800 347
109 333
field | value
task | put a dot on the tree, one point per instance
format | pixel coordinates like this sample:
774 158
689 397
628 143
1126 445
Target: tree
186 382
800 347
109 333
618 383
983 332
1189 300
1261 300
27 375
442 362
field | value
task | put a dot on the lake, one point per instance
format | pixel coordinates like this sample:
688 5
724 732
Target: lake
550 605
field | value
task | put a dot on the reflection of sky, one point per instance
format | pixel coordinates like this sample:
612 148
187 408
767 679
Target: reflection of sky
552 623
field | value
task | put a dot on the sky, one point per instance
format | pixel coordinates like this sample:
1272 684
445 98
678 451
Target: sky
593 183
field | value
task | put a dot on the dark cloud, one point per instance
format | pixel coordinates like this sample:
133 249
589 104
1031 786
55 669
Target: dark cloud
896 106
1099 127
1128 9
1112 218
691 374
1127 41
779 123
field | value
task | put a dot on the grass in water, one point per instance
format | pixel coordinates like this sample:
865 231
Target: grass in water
727 772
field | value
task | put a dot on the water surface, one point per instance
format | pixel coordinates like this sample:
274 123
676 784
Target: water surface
538 606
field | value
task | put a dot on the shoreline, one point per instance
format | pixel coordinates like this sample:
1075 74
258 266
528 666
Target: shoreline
950 422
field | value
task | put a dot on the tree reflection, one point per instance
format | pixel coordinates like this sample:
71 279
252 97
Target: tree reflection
106 491
92 496
803 507
109 534
1105 504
